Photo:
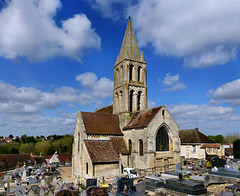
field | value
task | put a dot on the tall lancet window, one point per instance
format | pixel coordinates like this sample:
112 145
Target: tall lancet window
139 100
131 73
139 74
162 139
131 101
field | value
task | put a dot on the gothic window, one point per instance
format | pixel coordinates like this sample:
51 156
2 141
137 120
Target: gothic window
139 100
131 101
130 146
162 140
117 102
78 141
139 74
117 76
163 112
86 168
131 73
140 147
193 148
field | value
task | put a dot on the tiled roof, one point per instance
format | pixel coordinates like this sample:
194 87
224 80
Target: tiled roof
63 157
210 145
229 151
193 136
142 118
9 161
101 124
101 151
119 145
105 110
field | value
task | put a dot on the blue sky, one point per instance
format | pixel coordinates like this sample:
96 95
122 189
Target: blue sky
57 57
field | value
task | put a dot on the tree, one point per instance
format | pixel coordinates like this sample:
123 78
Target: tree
236 149
231 137
26 148
217 138
10 136
42 147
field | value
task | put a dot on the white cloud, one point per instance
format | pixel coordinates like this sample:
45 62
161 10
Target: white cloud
151 104
210 119
172 83
204 33
28 29
226 93
29 110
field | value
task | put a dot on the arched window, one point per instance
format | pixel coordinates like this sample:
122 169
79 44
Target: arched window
131 101
140 147
131 73
117 76
86 168
162 140
130 146
139 100
139 74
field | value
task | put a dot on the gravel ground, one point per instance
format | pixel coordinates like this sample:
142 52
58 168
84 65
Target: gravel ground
66 173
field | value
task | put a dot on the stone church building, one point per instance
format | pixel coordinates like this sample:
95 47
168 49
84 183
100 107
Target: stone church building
126 133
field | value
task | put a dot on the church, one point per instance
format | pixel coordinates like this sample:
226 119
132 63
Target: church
126 133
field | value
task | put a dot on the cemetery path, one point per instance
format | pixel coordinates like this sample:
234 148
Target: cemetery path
66 174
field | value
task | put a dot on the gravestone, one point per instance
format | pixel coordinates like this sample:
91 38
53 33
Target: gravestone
57 188
54 181
96 191
217 162
43 182
179 166
124 183
91 182
50 193
32 180
48 180
60 182
42 191
64 186
19 190
140 187
31 192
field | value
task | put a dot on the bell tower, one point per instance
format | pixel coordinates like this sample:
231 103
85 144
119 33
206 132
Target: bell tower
130 83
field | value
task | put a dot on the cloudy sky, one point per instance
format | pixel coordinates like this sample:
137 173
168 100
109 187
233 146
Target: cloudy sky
57 57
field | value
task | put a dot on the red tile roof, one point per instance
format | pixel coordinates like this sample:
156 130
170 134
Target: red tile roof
194 136
210 145
101 124
63 157
105 110
142 118
119 145
101 151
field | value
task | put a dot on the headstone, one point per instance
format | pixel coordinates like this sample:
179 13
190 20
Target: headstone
91 182
125 185
60 182
50 193
19 190
64 186
31 192
179 166
48 180
96 191
43 182
54 181
32 180
57 188
42 191
140 187
217 162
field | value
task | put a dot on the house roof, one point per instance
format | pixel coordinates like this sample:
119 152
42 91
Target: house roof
142 118
105 110
119 145
194 136
101 124
101 151
229 151
9 161
63 157
210 145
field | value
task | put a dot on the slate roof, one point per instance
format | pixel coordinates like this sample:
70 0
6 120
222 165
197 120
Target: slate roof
105 110
101 151
194 136
119 145
142 118
101 124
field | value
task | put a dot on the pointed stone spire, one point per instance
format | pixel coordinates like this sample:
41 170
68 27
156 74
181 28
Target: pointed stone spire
142 58
129 48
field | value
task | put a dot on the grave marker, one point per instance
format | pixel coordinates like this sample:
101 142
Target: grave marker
91 182
96 191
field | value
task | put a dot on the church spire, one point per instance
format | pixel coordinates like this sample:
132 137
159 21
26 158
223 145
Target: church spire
129 49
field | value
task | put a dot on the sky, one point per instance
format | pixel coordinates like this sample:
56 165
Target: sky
57 57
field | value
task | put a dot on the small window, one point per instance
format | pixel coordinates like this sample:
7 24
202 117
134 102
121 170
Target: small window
130 146
163 112
86 168
131 73
193 148
140 147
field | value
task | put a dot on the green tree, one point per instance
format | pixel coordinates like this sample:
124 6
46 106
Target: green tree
217 138
42 147
236 149
231 137
26 148
13 148
3 149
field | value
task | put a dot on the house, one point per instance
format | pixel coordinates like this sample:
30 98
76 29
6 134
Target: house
62 158
197 146
126 133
